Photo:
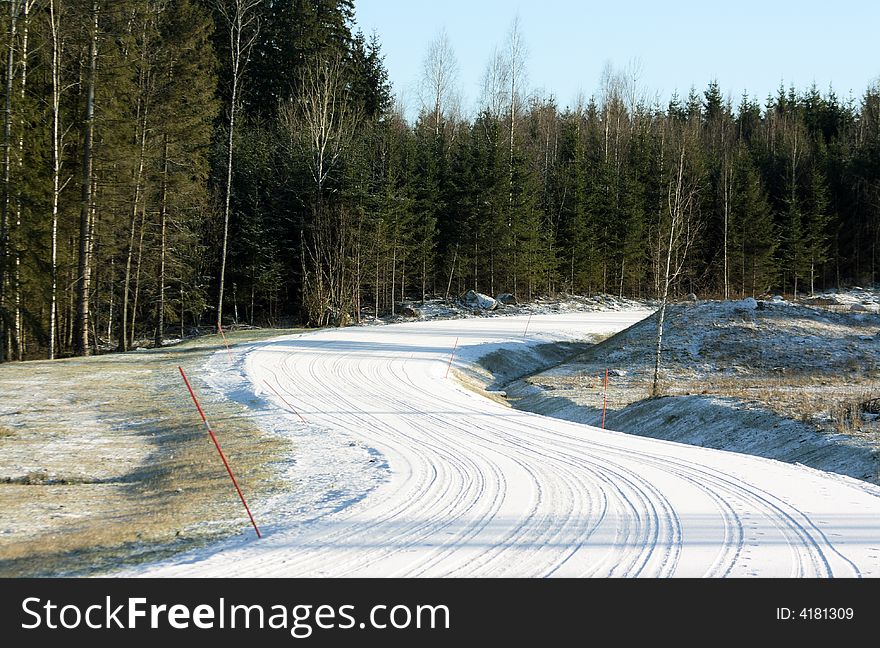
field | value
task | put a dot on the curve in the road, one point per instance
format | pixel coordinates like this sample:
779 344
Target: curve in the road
477 489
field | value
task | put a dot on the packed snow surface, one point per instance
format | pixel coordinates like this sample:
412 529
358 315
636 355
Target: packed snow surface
466 486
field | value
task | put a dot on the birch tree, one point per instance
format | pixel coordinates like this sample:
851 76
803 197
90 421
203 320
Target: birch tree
324 121
58 146
18 328
241 19
682 194
84 263
439 79
6 198
516 53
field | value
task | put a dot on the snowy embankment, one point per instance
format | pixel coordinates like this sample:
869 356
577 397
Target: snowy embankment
785 381
455 484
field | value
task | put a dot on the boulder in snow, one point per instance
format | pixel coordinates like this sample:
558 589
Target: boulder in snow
859 308
507 299
411 312
473 299
692 297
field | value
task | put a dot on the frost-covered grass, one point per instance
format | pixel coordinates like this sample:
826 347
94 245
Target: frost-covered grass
104 460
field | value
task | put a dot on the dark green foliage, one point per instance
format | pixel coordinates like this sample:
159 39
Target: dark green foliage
782 195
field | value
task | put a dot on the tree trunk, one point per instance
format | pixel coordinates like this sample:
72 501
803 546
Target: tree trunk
378 240
160 306
655 388
90 253
452 271
112 300
726 223
56 170
84 265
70 320
393 276
228 197
476 255
137 277
675 217
243 29
19 331
243 25
141 139
7 164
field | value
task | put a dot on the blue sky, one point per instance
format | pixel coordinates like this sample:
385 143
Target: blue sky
745 44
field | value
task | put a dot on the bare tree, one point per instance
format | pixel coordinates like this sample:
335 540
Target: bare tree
683 228
516 53
323 122
494 93
439 78
635 95
242 21
515 57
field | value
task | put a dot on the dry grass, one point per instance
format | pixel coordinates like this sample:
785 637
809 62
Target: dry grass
109 463
828 402
856 413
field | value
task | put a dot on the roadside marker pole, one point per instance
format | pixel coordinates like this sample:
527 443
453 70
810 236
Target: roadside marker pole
527 325
217 445
451 357
605 400
266 382
225 341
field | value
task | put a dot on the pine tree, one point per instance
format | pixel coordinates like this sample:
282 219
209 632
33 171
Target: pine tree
186 109
754 234
815 227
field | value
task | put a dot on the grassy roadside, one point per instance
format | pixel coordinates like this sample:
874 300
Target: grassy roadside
104 461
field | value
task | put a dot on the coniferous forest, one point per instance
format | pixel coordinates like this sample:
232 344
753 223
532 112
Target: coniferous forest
171 164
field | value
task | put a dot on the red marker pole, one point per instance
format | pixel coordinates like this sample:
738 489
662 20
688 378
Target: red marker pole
217 445
451 357
605 400
266 382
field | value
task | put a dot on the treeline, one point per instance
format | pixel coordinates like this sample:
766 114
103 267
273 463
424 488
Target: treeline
109 113
169 164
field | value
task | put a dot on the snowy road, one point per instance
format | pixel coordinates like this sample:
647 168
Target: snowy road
477 489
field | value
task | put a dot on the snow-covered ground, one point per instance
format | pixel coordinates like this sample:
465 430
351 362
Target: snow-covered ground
788 381
465 486
478 305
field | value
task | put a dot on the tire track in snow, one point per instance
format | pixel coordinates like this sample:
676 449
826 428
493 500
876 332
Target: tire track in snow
476 489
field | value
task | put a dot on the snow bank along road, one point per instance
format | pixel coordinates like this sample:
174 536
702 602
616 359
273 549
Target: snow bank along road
474 488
